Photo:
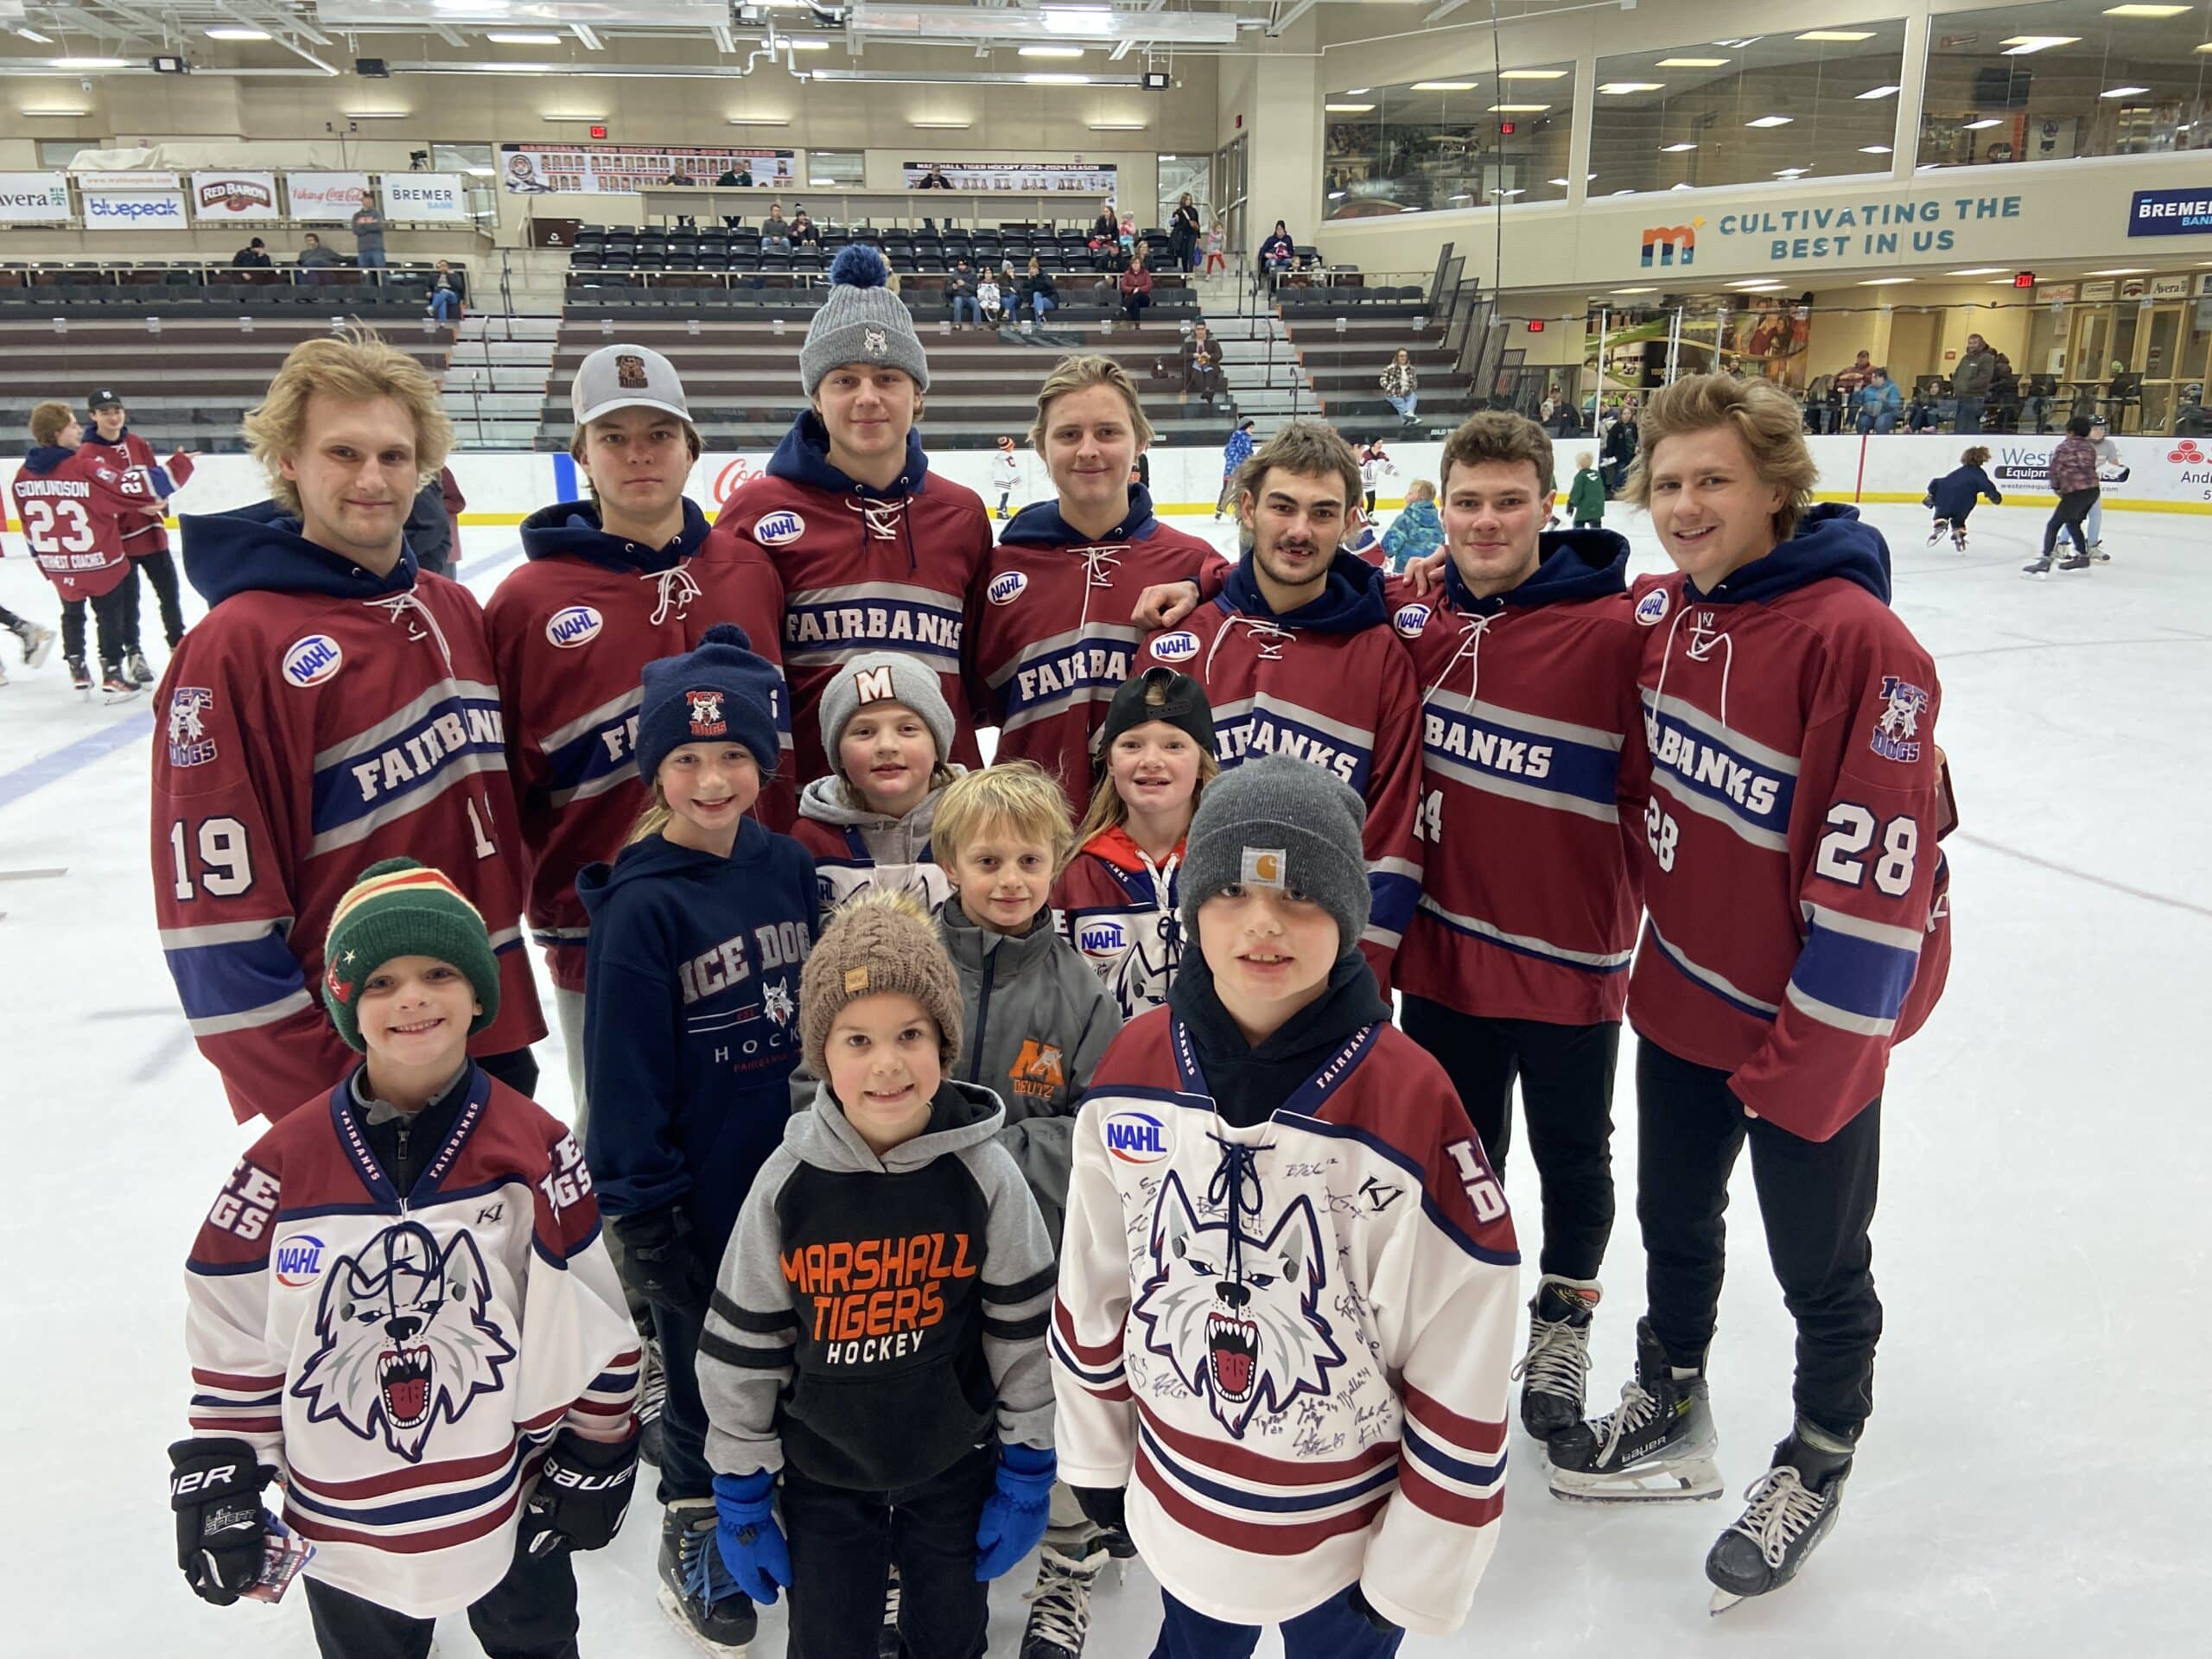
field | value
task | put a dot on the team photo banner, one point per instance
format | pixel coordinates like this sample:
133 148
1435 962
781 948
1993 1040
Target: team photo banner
1082 178
33 198
235 196
625 169
325 198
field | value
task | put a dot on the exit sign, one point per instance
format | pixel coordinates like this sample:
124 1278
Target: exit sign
2023 279
597 131
1535 325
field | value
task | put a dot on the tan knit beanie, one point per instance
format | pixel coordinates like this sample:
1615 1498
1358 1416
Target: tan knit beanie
882 942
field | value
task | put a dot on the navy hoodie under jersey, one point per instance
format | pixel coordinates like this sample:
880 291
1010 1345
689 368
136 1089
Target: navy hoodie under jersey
692 1020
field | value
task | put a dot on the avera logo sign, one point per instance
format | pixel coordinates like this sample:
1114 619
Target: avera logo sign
1671 244
2187 453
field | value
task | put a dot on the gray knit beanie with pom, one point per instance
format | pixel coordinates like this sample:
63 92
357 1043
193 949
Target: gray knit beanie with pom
861 321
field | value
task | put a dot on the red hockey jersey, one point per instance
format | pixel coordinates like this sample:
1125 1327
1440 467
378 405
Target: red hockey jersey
74 506
1527 910
1330 684
318 718
150 535
1122 912
862 571
1798 914
571 632
1292 1341
1049 638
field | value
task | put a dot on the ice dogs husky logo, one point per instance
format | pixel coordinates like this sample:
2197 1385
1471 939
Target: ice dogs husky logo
405 1338
1235 1314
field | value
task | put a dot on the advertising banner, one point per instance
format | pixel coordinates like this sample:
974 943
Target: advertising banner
148 180
325 197
33 198
235 196
620 170
440 196
2170 213
1082 178
135 210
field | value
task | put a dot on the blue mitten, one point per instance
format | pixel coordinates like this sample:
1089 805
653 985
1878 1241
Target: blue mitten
746 1532
1015 1512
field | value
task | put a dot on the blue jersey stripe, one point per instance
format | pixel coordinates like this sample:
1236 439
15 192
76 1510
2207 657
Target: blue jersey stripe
1743 790
1392 899
1322 1497
408 1511
214 980
1519 755
1863 976
413 759
1270 731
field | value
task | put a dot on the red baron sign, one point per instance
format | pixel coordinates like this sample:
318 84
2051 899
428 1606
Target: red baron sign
325 198
235 196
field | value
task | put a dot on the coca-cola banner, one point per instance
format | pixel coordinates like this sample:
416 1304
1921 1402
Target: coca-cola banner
235 196
325 198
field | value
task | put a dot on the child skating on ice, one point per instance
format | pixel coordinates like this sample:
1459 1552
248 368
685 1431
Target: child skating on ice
1955 495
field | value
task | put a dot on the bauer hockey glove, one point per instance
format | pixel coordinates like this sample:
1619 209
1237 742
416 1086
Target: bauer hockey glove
583 1492
746 1532
1014 1513
663 1263
215 1492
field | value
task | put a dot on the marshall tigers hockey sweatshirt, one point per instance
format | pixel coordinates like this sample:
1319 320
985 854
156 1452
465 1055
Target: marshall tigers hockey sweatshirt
692 1020
404 1358
1287 1311
879 1316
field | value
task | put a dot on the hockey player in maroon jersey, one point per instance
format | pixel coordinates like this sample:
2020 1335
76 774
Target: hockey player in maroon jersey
1798 926
1284 1327
876 552
1297 658
1049 638
332 708
612 582
1515 965
75 503
147 541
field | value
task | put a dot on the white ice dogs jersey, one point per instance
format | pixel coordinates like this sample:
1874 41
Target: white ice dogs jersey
1297 1335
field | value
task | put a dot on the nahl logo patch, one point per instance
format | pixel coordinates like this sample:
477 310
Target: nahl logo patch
777 528
707 719
1006 588
1410 620
299 1259
189 744
313 661
1652 608
1136 1138
1176 647
1896 730
578 625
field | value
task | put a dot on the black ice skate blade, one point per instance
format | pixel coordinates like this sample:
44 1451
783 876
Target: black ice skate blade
1686 1495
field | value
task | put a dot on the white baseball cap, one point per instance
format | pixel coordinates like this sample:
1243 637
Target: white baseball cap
627 377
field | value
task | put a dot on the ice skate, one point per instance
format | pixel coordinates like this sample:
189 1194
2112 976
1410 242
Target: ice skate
1936 531
2080 561
2038 569
1959 541
116 686
1656 1447
696 1589
1791 1508
81 676
38 643
1555 1369
134 665
2098 553
1059 1605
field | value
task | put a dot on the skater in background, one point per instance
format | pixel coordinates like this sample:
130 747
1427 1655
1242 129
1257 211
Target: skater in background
1417 531
1006 473
145 539
1373 463
37 640
1585 496
1953 495
1234 455
2111 469
2074 477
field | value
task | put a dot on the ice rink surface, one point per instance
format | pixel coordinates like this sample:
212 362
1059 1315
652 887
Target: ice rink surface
2032 1482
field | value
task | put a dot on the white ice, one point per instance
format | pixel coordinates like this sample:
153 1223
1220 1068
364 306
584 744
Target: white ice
2032 1482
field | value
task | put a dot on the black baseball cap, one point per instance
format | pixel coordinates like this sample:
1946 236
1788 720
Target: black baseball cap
1183 706
104 398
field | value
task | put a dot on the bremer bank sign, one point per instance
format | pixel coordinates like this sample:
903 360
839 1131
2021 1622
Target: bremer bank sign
2170 213
1848 234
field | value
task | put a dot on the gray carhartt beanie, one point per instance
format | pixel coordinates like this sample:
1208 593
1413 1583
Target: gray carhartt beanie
1275 821
861 321
885 677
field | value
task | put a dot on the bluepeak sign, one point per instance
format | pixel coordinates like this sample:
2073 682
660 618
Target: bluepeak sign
2170 213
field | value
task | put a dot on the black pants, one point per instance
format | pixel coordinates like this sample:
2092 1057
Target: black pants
111 620
683 1471
1133 307
2073 508
10 620
517 1068
1566 1095
1816 1198
842 1542
160 571
1367 498
530 1614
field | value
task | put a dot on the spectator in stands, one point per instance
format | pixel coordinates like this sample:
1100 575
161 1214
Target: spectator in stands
1400 385
1036 291
1878 403
988 303
1136 291
1202 372
1106 239
775 230
1183 234
1279 253
1618 449
2003 412
1234 455
1567 420
960 294
804 233
368 236
740 176
1970 383
1217 248
677 175
1924 413
445 294
1849 380
315 256
253 257
935 178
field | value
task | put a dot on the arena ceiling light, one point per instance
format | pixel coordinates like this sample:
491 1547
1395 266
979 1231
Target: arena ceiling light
1676 149
2146 11
524 37
1792 171
1056 80
2018 45
1874 150
942 127
1531 75
81 65
1119 126
33 34
1977 270
1101 25
1518 109
1879 92
1617 88
1633 290
1842 35
1986 123
759 120
1693 63
1348 109
1884 282
1444 86
2124 92
702 15
235 32
1770 121
1050 52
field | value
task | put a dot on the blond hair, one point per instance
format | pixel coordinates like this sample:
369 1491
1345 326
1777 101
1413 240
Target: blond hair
653 818
1079 373
1109 811
1500 436
1305 449
1421 490
352 365
576 446
1765 417
49 420
1020 794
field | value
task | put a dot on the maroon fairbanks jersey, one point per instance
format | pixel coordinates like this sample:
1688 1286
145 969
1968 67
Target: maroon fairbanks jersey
148 535
1332 685
1798 914
74 506
1527 908
1049 638
862 571
318 718
571 632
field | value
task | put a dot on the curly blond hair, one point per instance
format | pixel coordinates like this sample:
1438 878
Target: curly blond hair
352 365
1763 415
1080 373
